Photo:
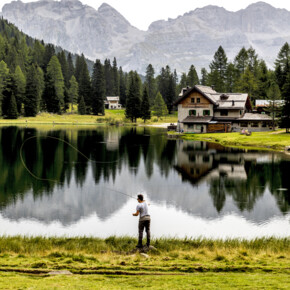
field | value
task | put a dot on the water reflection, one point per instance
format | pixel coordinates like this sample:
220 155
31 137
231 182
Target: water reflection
199 178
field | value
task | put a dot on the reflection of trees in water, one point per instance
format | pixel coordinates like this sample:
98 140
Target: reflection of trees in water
61 164
232 172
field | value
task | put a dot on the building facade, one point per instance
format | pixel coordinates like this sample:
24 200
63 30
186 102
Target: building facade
201 109
113 103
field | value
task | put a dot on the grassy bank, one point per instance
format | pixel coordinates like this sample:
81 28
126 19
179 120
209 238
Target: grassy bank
111 117
177 263
269 140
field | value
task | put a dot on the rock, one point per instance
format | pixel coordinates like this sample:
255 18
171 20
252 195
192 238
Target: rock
144 255
64 272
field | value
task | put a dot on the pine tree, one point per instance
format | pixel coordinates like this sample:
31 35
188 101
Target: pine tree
160 108
12 108
145 106
82 106
182 83
108 78
70 66
98 89
285 118
247 83
20 86
116 80
133 104
150 83
73 91
282 66
241 61
4 79
54 86
273 94
218 69
123 87
192 77
84 81
204 77
230 82
32 97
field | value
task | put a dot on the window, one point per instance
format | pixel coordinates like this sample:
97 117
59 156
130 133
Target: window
193 100
192 112
205 159
255 124
192 158
190 126
198 100
224 112
244 124
206 112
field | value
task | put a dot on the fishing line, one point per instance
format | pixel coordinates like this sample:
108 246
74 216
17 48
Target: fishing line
56 181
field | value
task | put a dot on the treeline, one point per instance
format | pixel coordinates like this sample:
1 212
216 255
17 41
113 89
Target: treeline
36 77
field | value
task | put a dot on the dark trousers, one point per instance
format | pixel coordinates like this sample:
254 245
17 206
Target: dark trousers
144 224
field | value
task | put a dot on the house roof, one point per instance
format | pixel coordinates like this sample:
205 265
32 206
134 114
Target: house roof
228 101
112 98
200 120
255 117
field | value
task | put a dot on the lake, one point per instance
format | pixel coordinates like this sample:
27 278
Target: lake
83 181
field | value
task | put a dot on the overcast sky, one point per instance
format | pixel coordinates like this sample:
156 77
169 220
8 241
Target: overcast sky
141 13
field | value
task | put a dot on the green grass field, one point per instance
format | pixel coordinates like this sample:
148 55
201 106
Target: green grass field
176 263
111 117
269 140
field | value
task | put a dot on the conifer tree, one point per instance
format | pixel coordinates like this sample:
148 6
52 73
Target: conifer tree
282 66
133 103
70 66
274 95
108 78
182 83
230 81
150 83
218 69
32 97
4 79
285 118
204 77
241 61
12 108
116 80
123 87
145 106
192 77
20 87
73 91
98 89
82 106
160 108
84 81
54 86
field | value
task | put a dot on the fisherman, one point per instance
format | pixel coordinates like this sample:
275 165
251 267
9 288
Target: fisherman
144 220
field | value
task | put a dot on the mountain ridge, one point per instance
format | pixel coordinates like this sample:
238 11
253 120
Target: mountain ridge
191 38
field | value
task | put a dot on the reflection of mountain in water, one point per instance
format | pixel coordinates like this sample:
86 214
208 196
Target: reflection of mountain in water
209 180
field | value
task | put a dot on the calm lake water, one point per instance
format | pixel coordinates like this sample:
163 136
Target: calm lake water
89 188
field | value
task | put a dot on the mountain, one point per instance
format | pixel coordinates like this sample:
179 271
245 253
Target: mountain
189 39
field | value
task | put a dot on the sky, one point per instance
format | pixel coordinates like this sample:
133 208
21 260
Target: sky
141 13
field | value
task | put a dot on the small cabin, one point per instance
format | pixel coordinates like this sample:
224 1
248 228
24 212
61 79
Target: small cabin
113 102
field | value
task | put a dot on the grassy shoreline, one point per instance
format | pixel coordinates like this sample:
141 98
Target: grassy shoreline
175 263
258 140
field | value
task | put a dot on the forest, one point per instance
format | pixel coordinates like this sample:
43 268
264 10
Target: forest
38 77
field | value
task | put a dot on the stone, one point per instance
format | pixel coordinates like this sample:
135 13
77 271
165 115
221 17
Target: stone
64 272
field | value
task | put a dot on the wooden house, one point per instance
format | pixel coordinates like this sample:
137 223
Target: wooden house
201 109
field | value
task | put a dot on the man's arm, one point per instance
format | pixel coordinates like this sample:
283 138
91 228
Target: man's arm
136 213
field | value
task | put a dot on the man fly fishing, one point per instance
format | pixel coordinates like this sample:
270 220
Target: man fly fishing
144 220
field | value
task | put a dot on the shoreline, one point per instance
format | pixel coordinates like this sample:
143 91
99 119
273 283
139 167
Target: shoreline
177 263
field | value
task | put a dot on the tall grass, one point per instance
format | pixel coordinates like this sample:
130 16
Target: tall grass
43 245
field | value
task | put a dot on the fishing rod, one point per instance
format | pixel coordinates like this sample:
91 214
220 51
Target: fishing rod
57 181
